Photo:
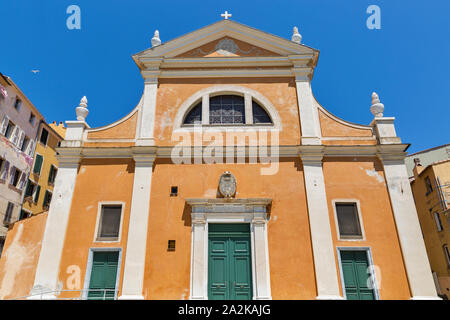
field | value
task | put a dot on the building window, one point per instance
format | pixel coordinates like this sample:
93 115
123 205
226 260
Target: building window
226 109
38 164
2 163
260 116
8 213
52 174
173 191
195 115
438 221
32 118
348 221
17 104
29 190
25 143
9 130
447 254
47 199
5 170
15 177
428 185
44 137
36 194
109 225
23 214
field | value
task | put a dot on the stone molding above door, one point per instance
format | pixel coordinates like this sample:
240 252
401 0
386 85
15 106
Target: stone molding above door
225 210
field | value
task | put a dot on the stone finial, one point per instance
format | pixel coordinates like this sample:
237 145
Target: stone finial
82 110
155 40
377 108
296 36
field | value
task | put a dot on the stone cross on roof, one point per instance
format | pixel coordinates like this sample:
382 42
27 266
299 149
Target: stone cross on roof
226 15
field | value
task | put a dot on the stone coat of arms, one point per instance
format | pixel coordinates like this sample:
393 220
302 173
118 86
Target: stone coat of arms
227 184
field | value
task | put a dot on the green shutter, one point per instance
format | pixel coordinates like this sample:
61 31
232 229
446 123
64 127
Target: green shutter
102 284
38 164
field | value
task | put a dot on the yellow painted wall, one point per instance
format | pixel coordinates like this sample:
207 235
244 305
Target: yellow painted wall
426 205
48 152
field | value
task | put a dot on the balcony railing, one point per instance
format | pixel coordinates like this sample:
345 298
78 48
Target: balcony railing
85 294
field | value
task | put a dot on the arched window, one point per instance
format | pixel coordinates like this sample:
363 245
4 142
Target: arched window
195 115
228 109
260 115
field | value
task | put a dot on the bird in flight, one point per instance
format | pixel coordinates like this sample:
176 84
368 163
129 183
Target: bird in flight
35 71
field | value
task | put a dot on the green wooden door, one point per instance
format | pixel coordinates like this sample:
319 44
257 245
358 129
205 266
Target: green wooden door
354 269
229 263
103 275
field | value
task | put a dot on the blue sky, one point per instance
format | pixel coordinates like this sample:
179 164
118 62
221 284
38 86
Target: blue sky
406 62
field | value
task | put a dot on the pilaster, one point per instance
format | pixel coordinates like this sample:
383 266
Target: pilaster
45 284
408 228
135 254
322 244
309 117
147 119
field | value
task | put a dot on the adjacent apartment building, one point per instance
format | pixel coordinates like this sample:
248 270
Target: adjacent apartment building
39 189
19 126
431 189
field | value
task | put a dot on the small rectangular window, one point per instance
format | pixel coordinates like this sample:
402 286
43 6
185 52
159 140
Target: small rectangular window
438 221
447 254
15 177
23 214
8 213
428 185
32 119
38 164
44 136
109 222
52 174
17 104
173 191
47 198
36 195
25 143
171 245
348 221
9 130
2 162
30 189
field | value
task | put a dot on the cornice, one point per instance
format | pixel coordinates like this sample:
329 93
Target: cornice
312 153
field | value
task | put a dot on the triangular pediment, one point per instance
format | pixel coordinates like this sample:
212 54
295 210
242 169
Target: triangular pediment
203 43
227 47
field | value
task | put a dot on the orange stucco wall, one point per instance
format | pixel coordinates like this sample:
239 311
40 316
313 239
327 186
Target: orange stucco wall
167 273
123 130
281 92
362 179
332 128
20 257
98 181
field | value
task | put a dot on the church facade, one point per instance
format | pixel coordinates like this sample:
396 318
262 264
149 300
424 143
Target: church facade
228 180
